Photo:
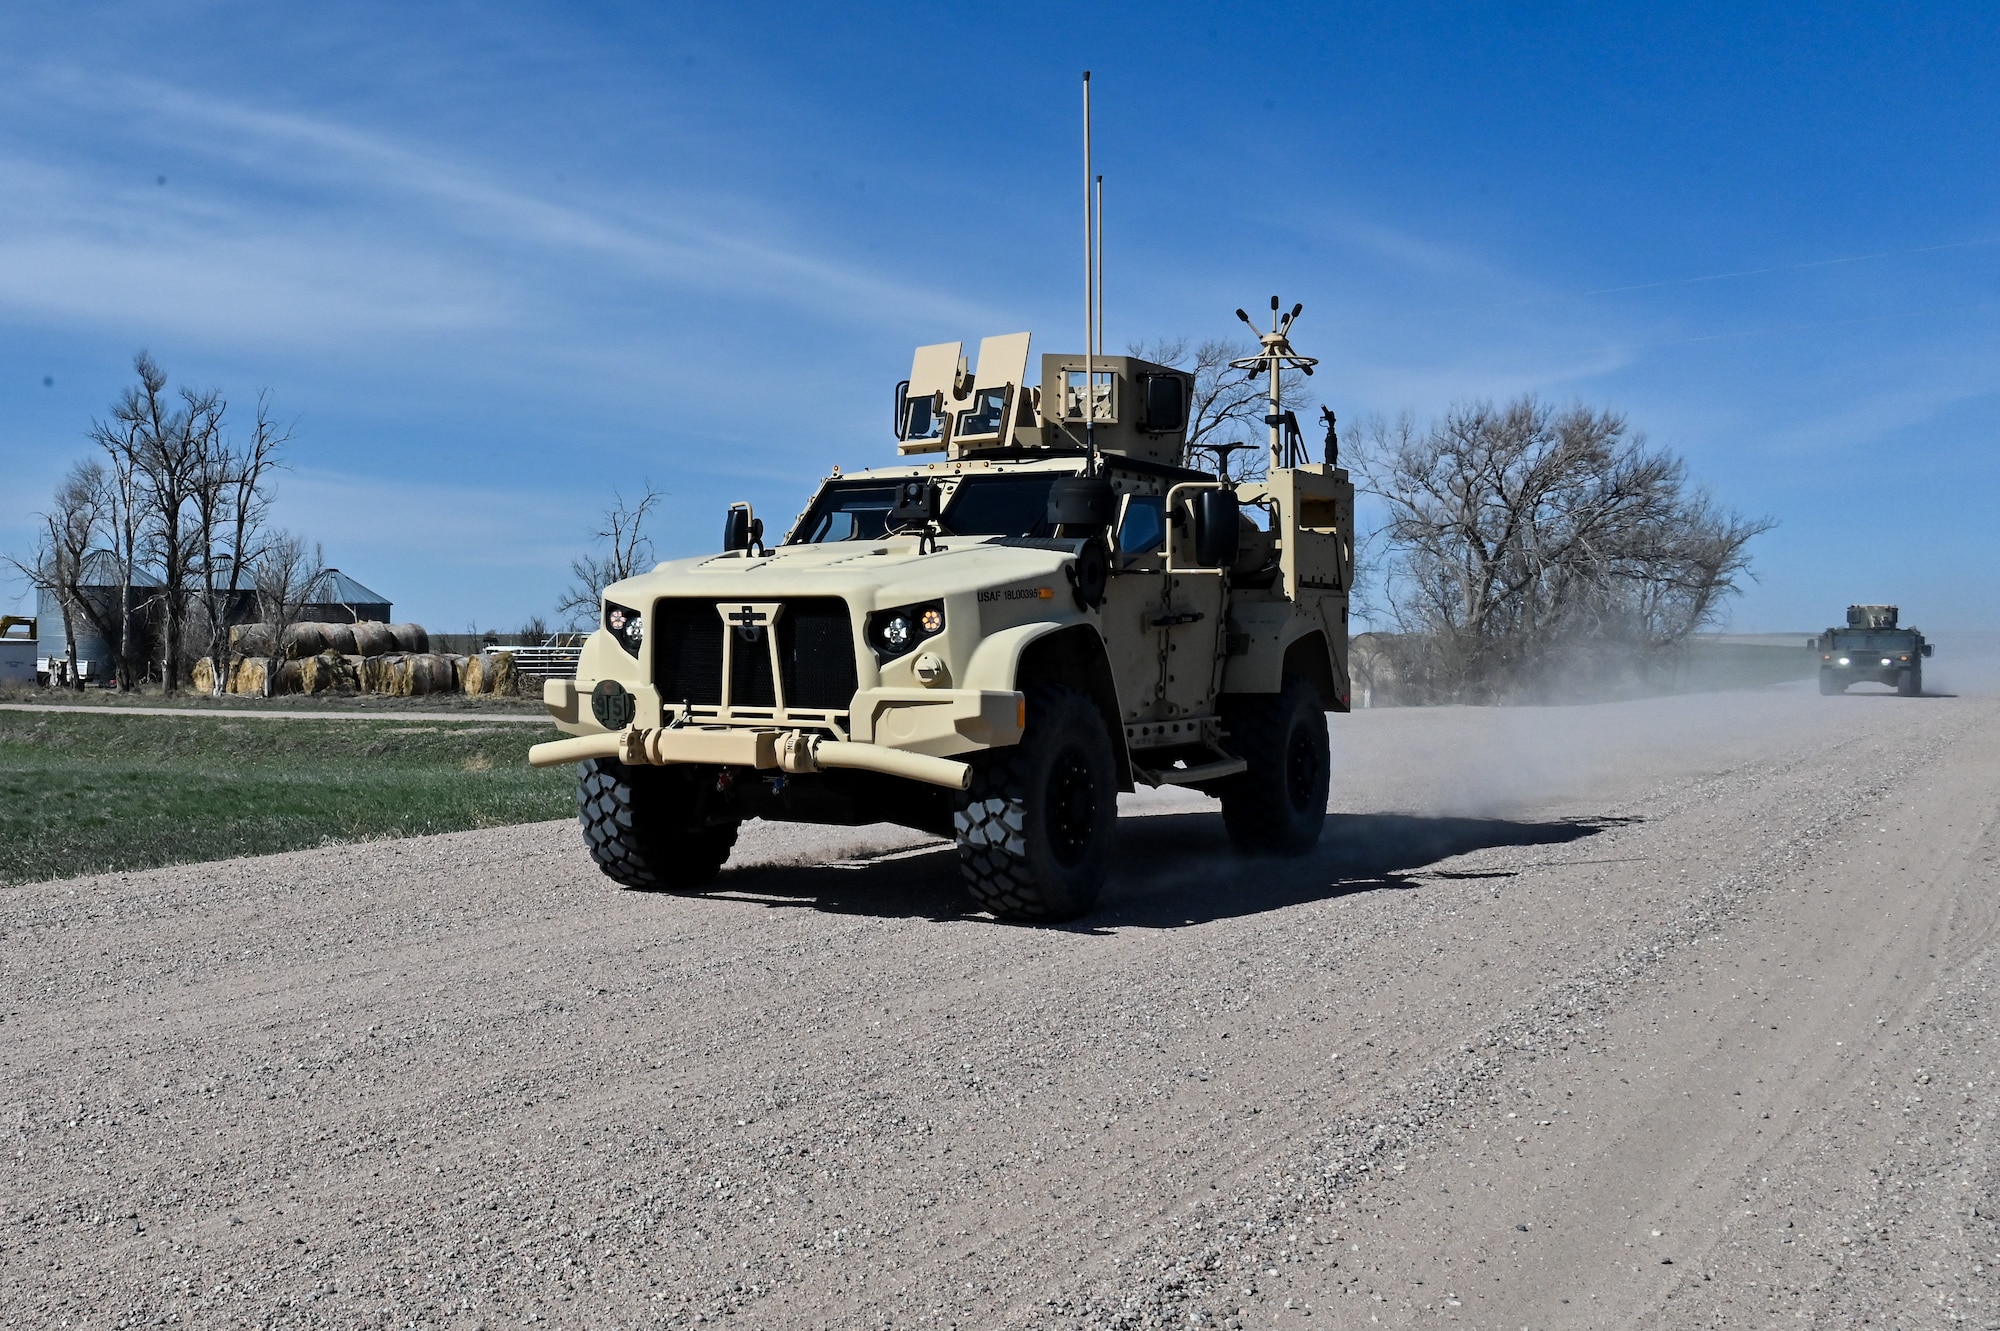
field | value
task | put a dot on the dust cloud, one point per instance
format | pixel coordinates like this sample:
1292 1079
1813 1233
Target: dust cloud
1508 761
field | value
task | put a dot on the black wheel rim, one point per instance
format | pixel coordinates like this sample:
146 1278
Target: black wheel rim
1072 807
1302 765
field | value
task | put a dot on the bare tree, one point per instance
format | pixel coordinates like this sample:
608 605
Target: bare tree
127 536
68 533
1228 405
229 504
626 550
190 504
283 577
1526 543
176 446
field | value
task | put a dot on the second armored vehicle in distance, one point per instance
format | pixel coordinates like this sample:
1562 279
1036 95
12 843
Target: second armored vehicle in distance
1871 649
1043 605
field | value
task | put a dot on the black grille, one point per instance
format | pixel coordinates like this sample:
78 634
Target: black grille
687 652
750 673
815 651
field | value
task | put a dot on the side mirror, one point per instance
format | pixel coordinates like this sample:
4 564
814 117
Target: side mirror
741 530
1215 528
1927 649
1812 642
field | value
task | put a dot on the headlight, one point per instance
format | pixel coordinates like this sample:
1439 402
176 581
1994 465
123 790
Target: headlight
1844 661
898 632
626 625
1887 661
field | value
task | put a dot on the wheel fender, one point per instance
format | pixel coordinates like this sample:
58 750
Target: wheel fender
998 664
997 661
1299 647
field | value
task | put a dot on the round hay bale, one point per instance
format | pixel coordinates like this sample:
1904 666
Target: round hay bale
203 675
290 678
252 640
310 676
378 673
500 676
431 673
410 638
326 673
396 674
473 676
303 640
340 639
248 676
372 638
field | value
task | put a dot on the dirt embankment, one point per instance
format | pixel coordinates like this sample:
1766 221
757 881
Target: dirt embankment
1674 1013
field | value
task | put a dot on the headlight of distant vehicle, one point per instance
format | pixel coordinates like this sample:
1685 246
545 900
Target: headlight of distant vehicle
626 625
898 632
1887 661
1844 661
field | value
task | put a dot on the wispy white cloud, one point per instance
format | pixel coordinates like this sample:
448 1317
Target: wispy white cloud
337 230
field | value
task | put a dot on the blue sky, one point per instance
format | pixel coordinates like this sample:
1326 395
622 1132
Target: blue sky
499 260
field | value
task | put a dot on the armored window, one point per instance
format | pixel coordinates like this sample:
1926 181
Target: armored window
1166 404
1144 528
919 420
1107 400
986 415
847 512
1000 506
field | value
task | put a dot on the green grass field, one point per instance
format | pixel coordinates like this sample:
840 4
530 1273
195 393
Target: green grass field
84 794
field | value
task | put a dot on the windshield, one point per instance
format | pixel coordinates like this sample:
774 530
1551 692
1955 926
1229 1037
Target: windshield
1015 505
847 511
1862 640
1000 506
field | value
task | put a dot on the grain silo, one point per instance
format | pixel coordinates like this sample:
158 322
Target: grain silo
94 655
335 598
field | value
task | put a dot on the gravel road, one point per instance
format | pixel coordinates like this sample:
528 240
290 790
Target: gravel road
1665 1014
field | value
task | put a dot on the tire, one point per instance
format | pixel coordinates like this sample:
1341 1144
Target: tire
1034 834
642 826
1909 683
1278 806
1829 683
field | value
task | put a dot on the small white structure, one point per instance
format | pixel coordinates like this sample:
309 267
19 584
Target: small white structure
17 652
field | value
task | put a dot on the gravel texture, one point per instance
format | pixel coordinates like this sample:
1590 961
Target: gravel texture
1671 1013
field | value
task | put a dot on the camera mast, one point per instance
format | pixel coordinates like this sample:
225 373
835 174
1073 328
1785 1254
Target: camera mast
1275 357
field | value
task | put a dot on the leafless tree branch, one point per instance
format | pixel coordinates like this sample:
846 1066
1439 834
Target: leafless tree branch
624 550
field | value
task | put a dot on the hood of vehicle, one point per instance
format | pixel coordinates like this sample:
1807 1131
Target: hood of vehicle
868 574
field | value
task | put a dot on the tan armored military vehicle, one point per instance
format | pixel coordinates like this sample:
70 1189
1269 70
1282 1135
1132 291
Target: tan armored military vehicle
1871 649
1040 606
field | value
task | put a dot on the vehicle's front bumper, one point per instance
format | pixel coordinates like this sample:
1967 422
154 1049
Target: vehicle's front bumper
910 733
791 751
937 722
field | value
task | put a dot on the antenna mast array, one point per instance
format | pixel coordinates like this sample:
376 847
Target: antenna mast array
1093 282
1277 356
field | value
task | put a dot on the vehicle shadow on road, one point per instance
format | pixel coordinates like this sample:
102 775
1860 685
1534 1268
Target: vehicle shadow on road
1178 870
1173 870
